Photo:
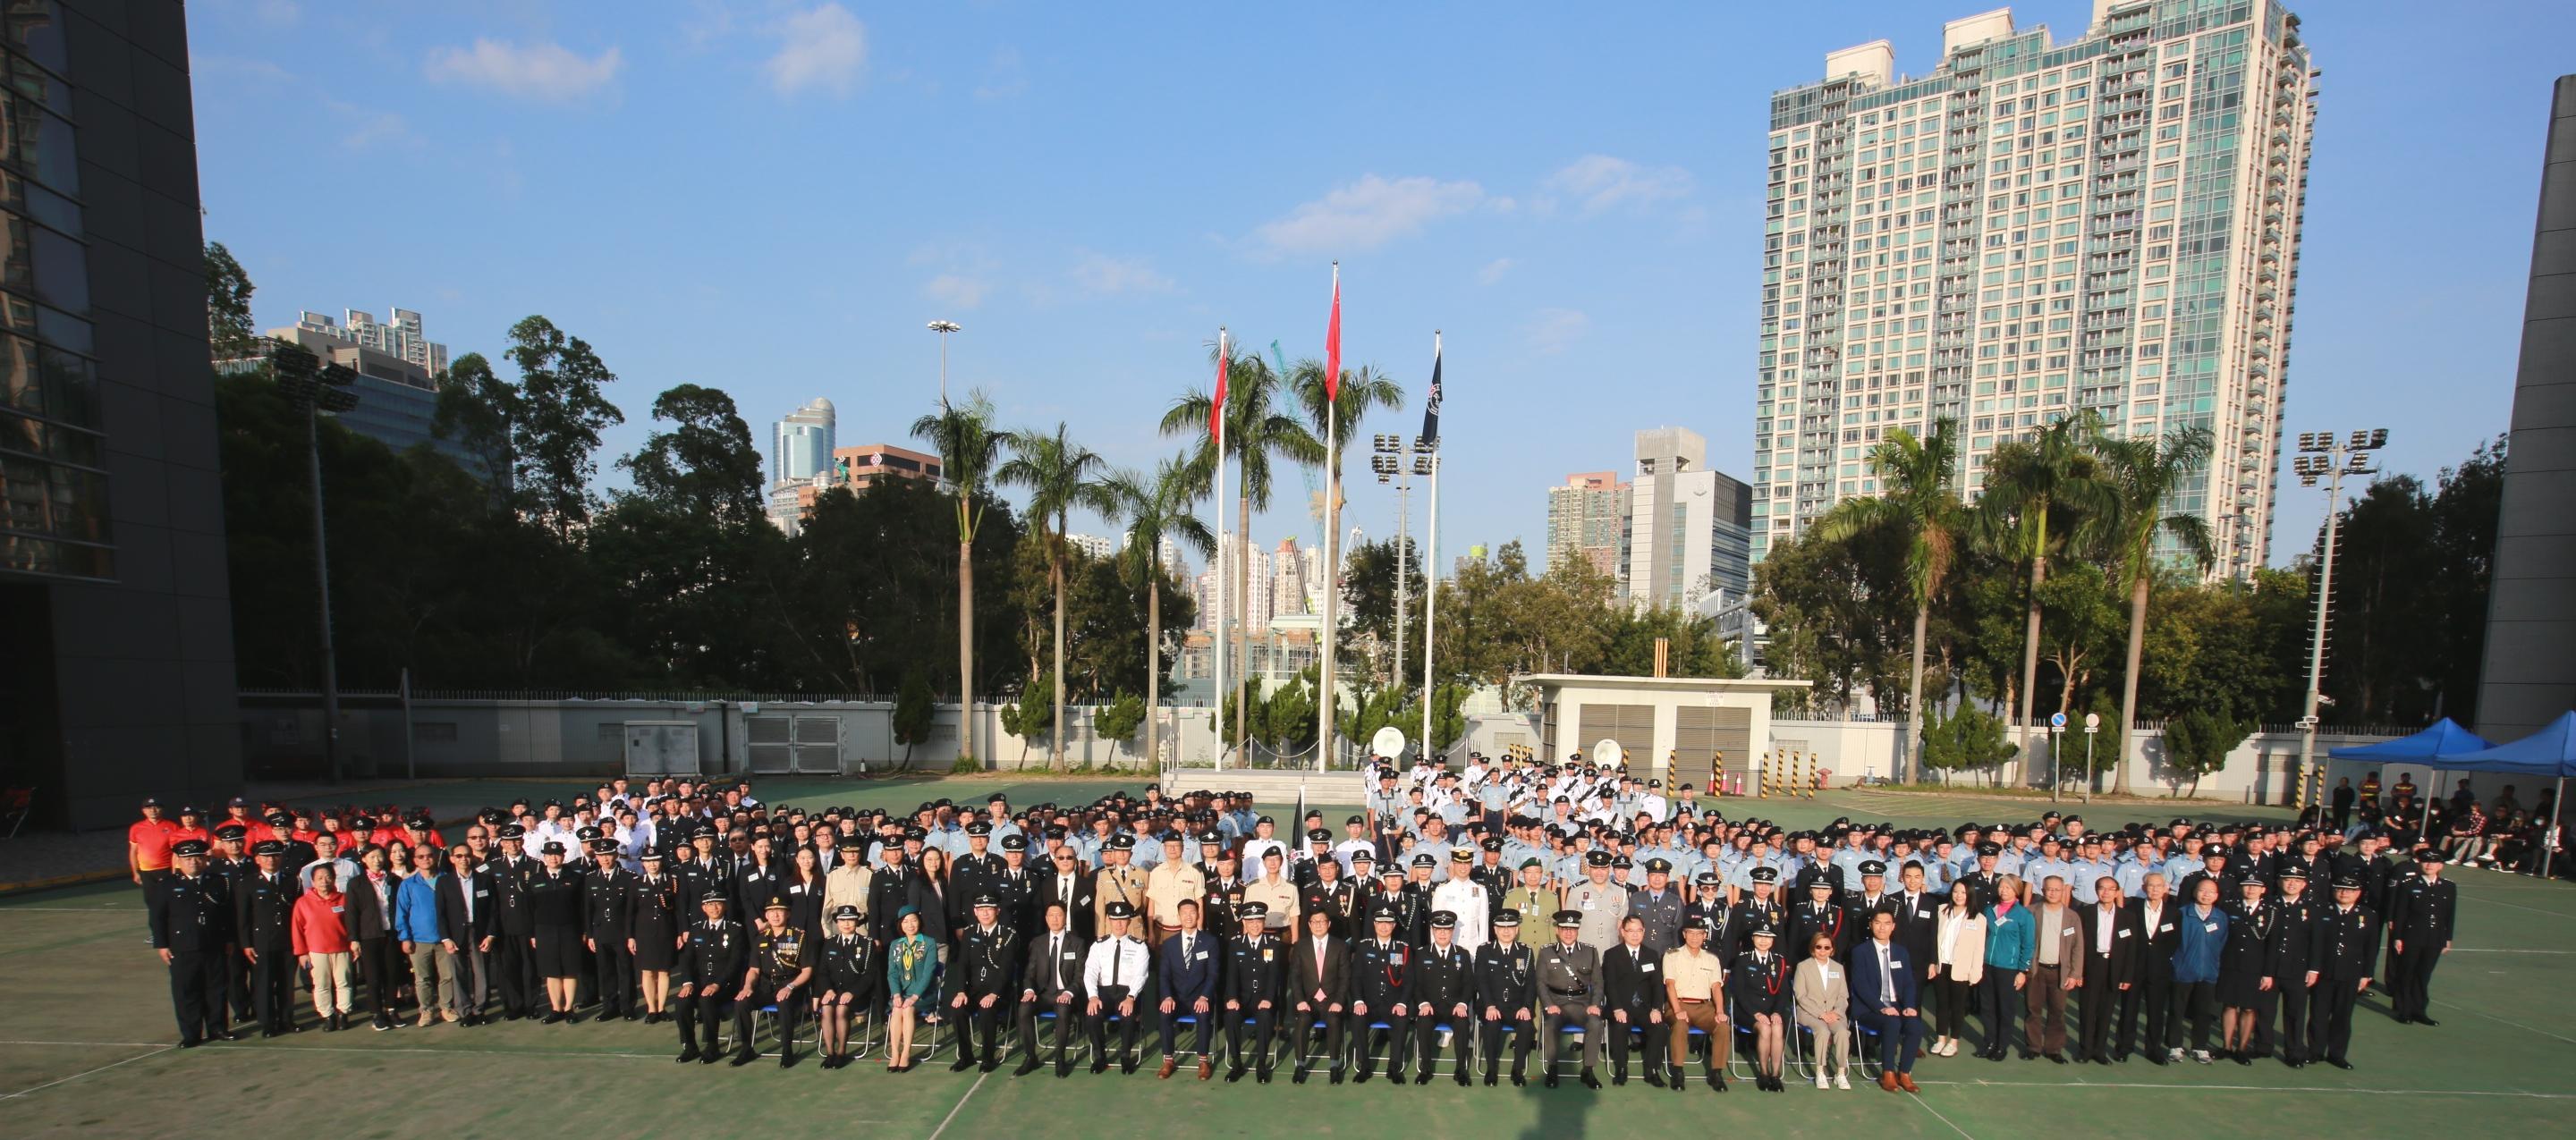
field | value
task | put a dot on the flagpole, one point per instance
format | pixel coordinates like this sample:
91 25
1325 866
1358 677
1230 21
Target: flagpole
1431 570
1217 627
1332 528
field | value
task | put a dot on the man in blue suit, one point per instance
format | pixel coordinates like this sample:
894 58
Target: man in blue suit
1886 996
1185 968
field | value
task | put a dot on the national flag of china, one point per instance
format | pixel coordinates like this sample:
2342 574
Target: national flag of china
1333 345
1216 407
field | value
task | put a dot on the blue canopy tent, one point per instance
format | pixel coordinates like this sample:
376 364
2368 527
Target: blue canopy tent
2443 740
2549 754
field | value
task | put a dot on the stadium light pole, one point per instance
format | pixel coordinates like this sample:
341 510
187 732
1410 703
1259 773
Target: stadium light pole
315 388
2325 456
943 328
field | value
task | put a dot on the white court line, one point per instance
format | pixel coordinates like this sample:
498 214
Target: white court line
1936 1115
9 910
2506 1021
2519 906
951 1118
2495 950
101 1069
2188 1087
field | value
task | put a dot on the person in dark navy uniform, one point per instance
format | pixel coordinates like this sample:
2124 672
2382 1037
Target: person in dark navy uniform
607 924
189 914
1381 972
983 977
554 939
1758 984
705 974
229 862
1186 971
1255 970
1819 913
780 970
1506 995
1443 990
2340 963
1753 912
513 926
2293 947
2420 915
264 916
849 980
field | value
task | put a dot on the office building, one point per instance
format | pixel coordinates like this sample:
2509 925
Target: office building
397 398
2032 230
401 338
1587 516
1688 532
2529 675
856 468
801 443
116 680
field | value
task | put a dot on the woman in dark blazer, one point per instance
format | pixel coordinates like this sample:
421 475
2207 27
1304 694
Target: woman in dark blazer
371 926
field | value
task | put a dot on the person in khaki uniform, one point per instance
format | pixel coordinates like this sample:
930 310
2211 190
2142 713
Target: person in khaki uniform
1695 989
1276 894
1170 882
1532 895
1118 881
1569 994
1601 902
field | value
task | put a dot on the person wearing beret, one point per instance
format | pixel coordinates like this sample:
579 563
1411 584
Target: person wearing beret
1506 998
189 914
1255 976
848 981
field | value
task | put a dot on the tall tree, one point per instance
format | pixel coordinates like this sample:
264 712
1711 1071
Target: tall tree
228 291
1258 430
706 464
474 409
555 421
1060 475
2036 489
1155 510
967 444
1919 498
2143 476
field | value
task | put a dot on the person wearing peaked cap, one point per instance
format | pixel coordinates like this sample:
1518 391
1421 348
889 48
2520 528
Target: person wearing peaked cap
552 894
1255 988
608 893
779 971
1506 996
2343 956
2421 915
983 976
848 980
1570 995
1759 985
1460 894
1659 905
1114 973
1382 964
190 919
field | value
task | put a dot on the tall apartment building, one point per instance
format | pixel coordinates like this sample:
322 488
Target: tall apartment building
1586 516
1091 545
1258 586
1288 580
401 337
2034 230
856 468
1688 532
801 443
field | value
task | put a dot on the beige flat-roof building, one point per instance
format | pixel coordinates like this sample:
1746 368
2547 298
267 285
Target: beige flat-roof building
1681 730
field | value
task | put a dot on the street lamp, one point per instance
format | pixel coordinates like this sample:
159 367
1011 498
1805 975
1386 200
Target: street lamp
2324 456
315 388
943 328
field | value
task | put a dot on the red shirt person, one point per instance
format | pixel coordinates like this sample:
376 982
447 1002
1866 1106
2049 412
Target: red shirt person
147 843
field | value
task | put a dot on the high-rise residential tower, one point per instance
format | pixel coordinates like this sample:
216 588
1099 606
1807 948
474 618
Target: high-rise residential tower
2032 230
1686 533
1584 516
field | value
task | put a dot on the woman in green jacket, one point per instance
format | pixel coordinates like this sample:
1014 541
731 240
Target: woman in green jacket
2012 937
911 965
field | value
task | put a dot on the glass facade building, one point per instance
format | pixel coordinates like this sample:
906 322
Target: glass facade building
2033 230
116 670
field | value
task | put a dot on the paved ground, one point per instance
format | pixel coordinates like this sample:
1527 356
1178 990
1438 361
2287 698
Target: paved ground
85 1045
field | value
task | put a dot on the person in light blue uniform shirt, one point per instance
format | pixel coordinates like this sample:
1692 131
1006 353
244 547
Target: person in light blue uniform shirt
2186 862
1760 856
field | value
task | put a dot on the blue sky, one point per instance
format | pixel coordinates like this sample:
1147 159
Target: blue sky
773 196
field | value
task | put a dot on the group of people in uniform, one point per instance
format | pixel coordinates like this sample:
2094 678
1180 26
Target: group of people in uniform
1675 937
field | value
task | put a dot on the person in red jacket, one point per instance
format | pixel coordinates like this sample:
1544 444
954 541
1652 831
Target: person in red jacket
321 935
147 846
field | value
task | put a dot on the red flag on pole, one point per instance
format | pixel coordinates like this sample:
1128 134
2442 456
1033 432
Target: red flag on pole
1224 362
1333 343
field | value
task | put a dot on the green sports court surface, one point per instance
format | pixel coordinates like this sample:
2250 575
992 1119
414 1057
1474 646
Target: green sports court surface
86 1045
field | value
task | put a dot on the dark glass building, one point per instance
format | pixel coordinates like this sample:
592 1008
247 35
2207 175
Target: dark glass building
116 650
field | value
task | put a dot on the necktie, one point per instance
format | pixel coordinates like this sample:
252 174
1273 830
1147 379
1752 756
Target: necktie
1055 956
1115 948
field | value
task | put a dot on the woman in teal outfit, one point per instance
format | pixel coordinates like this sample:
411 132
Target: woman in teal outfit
911 964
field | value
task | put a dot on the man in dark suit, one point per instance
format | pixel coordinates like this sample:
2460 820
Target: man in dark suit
1050 982
1887 996
2112 947
1319 985
467 917
1632 1000
1918 918
1064 882
1186 970
2155 923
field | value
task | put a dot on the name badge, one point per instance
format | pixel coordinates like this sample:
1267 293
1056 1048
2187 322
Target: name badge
1830 974
2210 927
1396 958
2165 929
2069 932
482 892
1203 955
2126 932
339 910
1648 968
1588 900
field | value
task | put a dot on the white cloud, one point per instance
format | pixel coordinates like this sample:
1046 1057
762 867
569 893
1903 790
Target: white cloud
822 49
1101 273
1552 331
1367 213
1493 271
956 289
544 71
1004 77
1602 182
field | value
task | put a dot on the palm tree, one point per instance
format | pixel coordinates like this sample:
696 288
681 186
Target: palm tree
2051 478
1257 431
1060 475
2143 476
1919 493
967 445
1155 511
1359 391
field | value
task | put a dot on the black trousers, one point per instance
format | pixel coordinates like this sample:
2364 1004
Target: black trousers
1204 1027
272 987
976 1023
1265 1024
2330 1029
1952 999
2095 1007
2410 978
1398 1039
380 966
2152 997
514 974
700 1010
2295 1001
1490 1041
2195 1005
1099 1030
237 983
790 1013
1067 1013
613 971
1426 1031
1998 1005
197 982
1310 1023
1639 1022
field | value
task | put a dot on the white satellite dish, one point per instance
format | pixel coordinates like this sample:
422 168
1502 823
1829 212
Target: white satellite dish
1388 743
1608 754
